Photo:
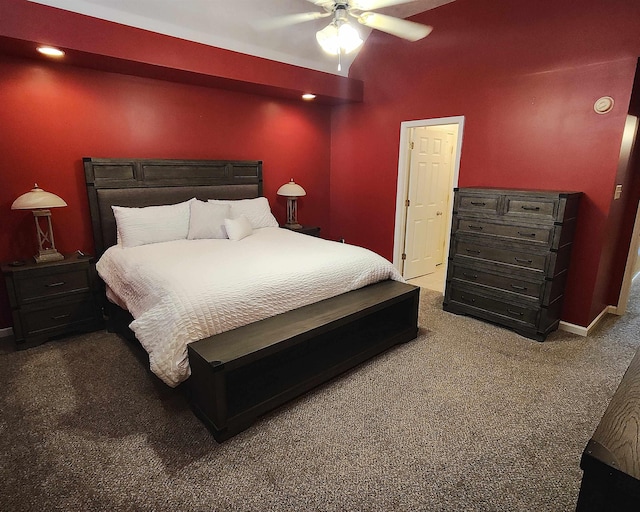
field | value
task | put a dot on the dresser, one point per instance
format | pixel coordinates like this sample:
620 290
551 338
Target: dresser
50 299
509 257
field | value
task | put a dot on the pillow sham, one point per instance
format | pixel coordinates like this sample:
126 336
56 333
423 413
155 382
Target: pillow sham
207 220
256 210
152 224
239 228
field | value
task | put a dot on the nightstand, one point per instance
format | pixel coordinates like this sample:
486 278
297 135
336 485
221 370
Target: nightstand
306 230
50 299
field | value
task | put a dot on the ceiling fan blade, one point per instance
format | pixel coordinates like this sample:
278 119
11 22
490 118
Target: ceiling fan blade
372 5
287 20
405 29
328 4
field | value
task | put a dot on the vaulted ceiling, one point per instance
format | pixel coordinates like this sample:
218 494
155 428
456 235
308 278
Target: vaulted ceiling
233 24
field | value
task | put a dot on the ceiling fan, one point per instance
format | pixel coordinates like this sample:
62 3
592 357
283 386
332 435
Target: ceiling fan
340 37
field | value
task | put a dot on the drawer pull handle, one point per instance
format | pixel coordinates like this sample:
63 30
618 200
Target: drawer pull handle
476 203
467 299
53 285
472 276
477 228
60 317
531 208
516 287
520 260
531 235
473 251
519 313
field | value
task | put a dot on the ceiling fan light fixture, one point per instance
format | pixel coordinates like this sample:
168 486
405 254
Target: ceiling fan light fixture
349 38
335 39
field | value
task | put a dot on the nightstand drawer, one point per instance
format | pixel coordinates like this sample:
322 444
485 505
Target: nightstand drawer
41 287
64 315
50 299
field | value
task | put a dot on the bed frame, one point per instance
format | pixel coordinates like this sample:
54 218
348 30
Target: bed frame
239 375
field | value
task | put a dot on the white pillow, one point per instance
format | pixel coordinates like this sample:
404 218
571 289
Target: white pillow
207 220
152 224
239 228
257 211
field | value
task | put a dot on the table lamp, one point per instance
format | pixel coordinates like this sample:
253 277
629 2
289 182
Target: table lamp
292 191
39 202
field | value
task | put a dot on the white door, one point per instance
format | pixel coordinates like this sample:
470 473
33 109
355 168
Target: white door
428 191
444 192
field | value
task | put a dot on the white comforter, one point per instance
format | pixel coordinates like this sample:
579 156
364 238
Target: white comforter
186 290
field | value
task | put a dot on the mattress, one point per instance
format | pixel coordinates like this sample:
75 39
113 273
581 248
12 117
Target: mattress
186 290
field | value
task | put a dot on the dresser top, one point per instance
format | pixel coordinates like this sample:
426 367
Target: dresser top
532 192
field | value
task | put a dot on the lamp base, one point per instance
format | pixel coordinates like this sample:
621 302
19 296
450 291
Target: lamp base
47 255
293 225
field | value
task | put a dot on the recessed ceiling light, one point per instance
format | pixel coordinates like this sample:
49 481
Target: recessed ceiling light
50 51
308 96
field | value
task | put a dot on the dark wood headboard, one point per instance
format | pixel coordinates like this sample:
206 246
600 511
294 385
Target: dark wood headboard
147 182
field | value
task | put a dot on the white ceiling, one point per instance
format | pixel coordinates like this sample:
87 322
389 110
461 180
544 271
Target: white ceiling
230 24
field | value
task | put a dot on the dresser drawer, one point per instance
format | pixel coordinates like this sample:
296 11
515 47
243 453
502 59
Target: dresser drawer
519 257
534 290
41 287
478 203
494 307
541 235
62 316
531 207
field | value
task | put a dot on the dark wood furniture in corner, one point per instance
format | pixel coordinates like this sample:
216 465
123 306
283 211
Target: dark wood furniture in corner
611 460
50 299
509 257
238 375
307 230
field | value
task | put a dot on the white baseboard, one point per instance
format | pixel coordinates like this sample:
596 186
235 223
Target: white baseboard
584 331
6 332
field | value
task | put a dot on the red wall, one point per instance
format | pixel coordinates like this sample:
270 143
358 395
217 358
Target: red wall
525 75
53 115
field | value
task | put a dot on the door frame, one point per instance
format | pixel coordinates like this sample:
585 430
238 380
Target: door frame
402 189
625 289
627 151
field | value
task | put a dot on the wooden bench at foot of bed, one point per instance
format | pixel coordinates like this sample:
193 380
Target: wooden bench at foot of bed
239 375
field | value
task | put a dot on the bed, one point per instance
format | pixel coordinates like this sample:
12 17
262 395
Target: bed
236 357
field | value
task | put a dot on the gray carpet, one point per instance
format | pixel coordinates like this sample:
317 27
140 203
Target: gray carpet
467 417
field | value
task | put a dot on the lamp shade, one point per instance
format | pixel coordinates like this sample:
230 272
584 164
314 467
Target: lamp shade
291 189
36 199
